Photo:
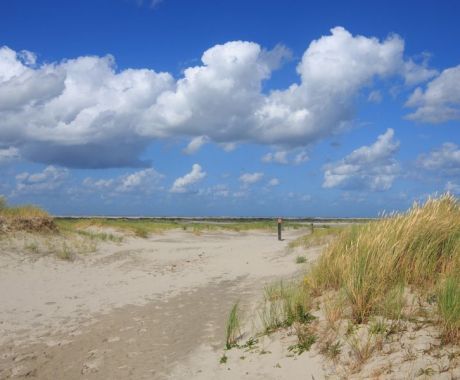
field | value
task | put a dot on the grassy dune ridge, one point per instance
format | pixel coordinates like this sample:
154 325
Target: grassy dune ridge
418 250
24 218
144 227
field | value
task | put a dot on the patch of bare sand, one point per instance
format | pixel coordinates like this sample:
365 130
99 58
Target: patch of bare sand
140 309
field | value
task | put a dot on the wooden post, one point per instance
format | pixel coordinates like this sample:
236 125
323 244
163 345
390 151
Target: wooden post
279 228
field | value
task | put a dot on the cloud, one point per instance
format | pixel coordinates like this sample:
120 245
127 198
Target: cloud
281 157
74 112
195 144
8 154
217 191
415 74
181 184
250 178
444 160
276 157
375 96
370 167
51 178
301 157
145 181
440 101
228 147
452 187
274 182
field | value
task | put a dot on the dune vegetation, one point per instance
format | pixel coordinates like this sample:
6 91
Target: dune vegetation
382 298
24 218
417 251
143 227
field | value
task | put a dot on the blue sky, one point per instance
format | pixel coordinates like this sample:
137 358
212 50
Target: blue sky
251 108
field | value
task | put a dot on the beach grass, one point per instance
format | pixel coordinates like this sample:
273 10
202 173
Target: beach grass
373 264
233 331
23 211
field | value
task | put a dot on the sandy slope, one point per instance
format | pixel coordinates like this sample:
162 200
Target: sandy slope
145 308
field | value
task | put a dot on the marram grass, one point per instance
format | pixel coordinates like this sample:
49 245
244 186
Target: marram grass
419 249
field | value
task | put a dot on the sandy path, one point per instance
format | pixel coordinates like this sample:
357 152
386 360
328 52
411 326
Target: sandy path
153 308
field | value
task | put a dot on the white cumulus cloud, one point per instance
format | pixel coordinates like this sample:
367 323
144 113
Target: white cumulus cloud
181 184
195 144
444 160
47 180
370 167
75 112
279 157
145 181
251 178
440 101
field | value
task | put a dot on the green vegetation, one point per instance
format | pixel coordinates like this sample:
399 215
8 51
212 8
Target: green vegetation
373 264
300 259
305 338
233 331
285 304
449 306
145 227
139 227
223 359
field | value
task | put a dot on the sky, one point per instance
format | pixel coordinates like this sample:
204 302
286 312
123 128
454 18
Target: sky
229 108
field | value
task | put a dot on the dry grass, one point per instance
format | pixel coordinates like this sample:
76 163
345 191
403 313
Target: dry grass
373 263
24 218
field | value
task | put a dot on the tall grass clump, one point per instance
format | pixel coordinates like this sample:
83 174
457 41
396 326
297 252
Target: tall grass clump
233 331
284 304
418 248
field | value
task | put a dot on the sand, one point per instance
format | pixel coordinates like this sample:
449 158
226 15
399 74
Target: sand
151 308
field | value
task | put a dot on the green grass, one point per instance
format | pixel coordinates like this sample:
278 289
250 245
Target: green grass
284 304
375 262
233 331
449 307
300 259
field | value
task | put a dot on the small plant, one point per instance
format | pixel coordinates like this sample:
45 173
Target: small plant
428 371
250 343
223 359
300 260
233 328
65 253
305 337
32 247
284 305
362 348
332 350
